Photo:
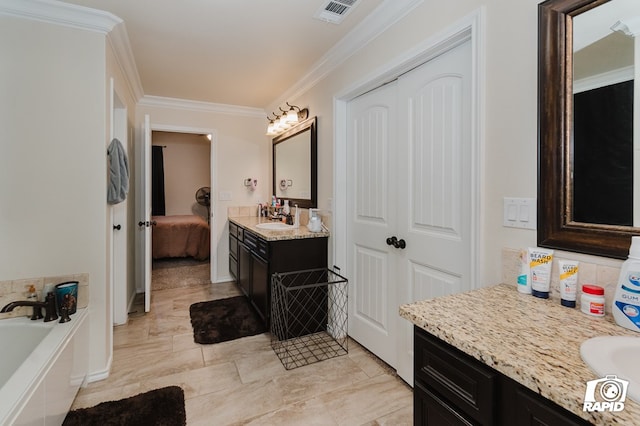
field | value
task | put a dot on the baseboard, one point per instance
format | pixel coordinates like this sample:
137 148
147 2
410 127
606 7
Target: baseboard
96 376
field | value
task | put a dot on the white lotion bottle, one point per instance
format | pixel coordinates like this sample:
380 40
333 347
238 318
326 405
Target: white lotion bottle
626 302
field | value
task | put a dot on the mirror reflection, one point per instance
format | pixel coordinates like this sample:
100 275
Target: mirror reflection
294 164
605 185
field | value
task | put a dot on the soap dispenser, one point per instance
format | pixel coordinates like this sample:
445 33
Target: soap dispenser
626 303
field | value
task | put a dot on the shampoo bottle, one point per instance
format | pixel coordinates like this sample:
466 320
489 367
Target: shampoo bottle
626 302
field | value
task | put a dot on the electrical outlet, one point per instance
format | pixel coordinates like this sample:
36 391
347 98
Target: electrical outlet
520 213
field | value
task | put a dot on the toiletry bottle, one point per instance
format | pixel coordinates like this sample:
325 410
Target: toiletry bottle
524 278
286 209
626 302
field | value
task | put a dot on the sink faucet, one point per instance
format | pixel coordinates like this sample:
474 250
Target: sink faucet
49 306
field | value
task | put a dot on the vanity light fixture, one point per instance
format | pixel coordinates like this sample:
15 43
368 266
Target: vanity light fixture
289 118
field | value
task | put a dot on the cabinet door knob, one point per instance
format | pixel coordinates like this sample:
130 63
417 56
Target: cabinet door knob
117 227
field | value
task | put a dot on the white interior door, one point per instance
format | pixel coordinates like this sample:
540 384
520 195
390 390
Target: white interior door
434 185
371 173
409 177
143 213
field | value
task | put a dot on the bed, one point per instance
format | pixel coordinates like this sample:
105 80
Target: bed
180 236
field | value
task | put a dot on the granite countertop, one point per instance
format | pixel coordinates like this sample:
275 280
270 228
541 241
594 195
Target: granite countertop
534 341
250 222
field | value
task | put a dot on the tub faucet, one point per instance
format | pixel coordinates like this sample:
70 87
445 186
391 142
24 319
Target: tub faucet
49 306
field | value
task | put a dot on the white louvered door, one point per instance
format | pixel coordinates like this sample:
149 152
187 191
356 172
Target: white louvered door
411 180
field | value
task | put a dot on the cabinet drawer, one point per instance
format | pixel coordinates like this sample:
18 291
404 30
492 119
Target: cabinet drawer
429 409
460 379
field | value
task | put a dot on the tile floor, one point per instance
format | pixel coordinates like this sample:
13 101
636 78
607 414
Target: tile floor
243 381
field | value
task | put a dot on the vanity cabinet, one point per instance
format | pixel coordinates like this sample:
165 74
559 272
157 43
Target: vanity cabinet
258 259
453 388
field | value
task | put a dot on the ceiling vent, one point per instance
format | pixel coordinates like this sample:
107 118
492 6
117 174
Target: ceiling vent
334 11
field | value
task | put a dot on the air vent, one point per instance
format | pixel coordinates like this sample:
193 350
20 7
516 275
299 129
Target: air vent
334 11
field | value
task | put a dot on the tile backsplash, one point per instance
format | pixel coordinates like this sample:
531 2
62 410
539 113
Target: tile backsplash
11 291
603 275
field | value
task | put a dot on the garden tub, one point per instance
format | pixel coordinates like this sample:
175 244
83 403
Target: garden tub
43 366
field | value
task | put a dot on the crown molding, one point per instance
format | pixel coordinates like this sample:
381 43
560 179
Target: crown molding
184 104
119 40
384 16
60 13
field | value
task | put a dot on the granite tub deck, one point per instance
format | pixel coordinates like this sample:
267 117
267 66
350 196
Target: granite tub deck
250 222
535 342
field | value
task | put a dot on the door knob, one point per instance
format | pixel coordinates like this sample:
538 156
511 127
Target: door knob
141 224
393 241
117 227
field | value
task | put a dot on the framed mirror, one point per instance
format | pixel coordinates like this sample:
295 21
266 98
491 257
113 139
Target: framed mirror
295 164
588 190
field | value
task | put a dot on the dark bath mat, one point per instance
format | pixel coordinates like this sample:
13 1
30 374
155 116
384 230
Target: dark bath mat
160 407
222 320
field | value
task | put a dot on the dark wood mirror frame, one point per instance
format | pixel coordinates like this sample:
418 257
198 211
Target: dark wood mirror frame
311 124
556 228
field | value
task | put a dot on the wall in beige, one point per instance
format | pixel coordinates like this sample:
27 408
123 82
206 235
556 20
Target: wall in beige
508 117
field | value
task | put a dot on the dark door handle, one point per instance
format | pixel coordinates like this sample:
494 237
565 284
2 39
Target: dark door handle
141 224
393 241
117 227
153 223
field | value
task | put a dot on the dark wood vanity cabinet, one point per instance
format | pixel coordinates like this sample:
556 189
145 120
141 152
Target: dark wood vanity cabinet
258 259
453 388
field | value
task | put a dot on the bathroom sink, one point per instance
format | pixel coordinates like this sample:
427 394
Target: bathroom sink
619 355
274 226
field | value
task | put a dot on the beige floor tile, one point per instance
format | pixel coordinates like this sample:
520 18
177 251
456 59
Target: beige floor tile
262 365
308 413
402 417
236 349
235 405
367 400
243 381
305 383
200 381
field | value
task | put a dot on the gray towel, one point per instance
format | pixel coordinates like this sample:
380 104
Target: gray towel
118 173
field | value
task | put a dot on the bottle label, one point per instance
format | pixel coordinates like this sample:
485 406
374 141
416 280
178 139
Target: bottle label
522 279
630 311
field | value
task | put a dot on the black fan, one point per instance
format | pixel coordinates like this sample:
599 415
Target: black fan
203 197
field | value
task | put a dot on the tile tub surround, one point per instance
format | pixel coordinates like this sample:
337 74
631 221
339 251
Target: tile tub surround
250 223
11 291
536 342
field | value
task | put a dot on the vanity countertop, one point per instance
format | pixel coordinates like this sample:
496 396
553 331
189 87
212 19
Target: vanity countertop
250 222
536 342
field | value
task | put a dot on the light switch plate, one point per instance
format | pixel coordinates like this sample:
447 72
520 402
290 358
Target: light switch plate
224 196
520 213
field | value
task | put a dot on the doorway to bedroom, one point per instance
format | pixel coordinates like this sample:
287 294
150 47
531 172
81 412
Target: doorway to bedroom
180 209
